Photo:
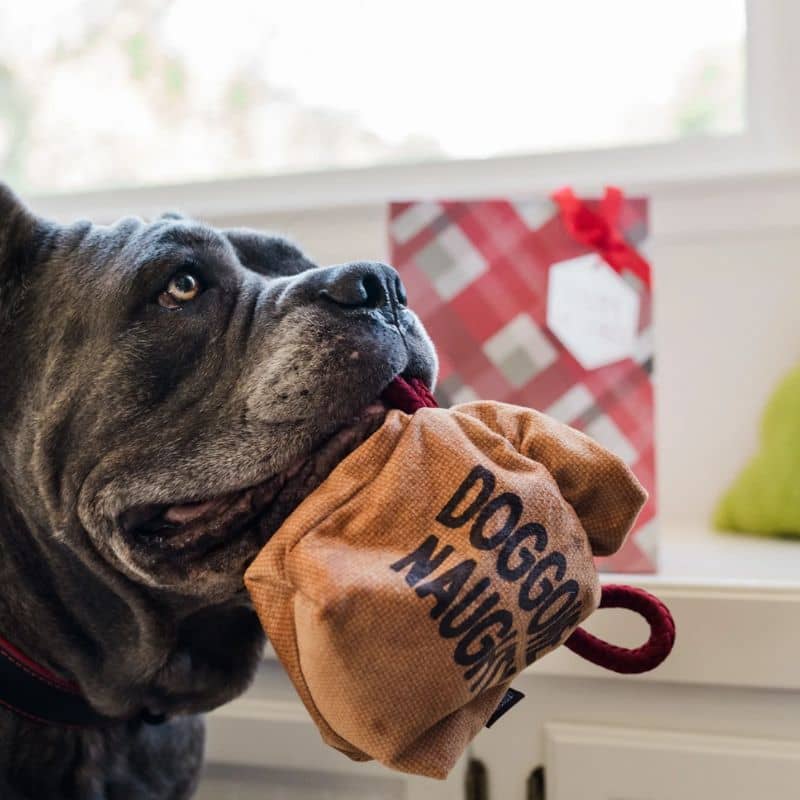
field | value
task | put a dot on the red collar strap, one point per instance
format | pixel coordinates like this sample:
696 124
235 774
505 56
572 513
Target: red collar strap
410 396
36 693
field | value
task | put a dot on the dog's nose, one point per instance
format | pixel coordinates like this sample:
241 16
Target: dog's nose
368 284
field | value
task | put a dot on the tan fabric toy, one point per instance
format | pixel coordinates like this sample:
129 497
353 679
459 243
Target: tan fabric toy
439 559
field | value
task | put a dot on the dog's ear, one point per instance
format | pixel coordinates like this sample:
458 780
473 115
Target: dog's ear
267 253
22 235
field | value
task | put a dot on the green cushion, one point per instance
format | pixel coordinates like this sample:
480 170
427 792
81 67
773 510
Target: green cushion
765 498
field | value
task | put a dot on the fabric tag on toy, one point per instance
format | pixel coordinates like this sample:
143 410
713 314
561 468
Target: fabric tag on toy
510 699
592 310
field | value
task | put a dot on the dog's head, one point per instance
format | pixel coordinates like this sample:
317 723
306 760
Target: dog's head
172 391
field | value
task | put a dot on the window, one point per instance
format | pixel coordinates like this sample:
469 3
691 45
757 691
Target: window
104 93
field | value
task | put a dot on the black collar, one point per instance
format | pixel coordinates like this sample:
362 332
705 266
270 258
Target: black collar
34 692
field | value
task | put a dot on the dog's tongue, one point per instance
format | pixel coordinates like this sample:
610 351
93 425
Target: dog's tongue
408 396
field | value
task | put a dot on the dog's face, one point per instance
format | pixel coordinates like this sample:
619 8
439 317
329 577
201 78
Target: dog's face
176 390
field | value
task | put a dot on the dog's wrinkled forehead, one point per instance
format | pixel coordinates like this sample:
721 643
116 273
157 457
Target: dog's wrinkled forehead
118 252
131 252
132 258
132 245
72 258
160 238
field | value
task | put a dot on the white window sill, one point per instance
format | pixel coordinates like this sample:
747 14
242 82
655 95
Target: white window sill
694 556
645 169
698 188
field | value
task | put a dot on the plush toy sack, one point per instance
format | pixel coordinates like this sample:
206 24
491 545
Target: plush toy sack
439 559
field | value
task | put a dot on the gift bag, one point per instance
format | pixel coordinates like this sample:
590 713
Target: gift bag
545 303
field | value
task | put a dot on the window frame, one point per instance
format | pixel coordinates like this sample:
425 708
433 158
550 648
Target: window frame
769 146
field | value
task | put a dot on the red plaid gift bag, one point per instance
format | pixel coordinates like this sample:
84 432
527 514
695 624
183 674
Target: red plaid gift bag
543 303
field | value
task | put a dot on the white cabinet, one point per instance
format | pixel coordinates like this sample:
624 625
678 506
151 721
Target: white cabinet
720 719
597 762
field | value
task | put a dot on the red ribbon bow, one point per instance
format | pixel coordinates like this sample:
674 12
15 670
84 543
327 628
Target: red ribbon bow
600 230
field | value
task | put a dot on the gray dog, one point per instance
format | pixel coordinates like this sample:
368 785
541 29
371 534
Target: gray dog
170 392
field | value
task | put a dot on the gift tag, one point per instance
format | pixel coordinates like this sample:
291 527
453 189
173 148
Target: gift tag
592 310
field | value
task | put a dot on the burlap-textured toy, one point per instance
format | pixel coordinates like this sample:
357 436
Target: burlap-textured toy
439 559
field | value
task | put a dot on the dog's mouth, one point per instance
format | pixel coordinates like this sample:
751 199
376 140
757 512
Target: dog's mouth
198 527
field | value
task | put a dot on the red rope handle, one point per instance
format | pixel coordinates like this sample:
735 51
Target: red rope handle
621 659
410 396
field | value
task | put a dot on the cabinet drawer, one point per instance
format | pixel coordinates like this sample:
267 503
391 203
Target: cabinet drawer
594 762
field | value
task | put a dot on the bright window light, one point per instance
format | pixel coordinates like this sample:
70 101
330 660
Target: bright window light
100 93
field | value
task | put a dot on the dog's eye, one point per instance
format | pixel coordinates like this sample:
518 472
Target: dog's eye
182 288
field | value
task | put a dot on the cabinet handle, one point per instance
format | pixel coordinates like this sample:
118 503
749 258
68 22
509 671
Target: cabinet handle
476 784
534 789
